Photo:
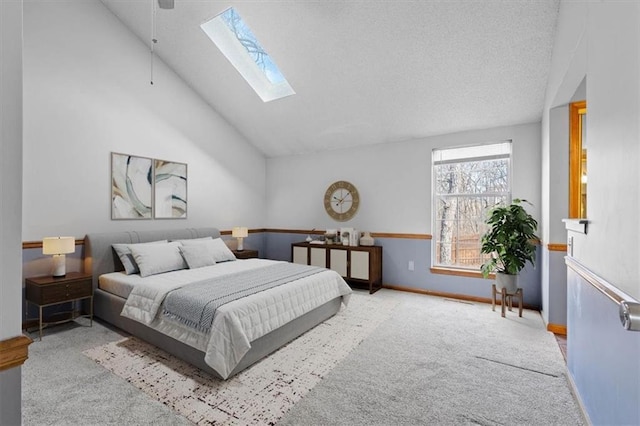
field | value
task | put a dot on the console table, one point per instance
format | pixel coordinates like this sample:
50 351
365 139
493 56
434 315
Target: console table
358 265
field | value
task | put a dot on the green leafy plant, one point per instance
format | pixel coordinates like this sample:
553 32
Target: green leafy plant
510 239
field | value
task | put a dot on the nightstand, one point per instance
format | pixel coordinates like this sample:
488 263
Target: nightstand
48 290
245 254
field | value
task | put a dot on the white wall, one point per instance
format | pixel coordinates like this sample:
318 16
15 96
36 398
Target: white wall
555 169
612 246
87 94
11 195
610 30
602 41
394 181
567 72
10 167
568 69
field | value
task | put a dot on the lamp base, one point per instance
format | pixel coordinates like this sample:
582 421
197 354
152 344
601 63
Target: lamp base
59 266
240 246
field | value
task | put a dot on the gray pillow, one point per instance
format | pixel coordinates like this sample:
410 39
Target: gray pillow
192 240
214 246
124 253
155 259
196 257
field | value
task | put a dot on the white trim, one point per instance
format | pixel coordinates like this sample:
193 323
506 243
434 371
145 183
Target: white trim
576 225
492 155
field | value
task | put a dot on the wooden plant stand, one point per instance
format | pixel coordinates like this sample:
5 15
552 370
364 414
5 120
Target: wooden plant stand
506 298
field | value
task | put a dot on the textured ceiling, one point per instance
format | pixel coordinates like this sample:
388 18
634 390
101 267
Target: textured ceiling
364 72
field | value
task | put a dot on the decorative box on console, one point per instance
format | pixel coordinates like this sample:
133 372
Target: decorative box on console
354 236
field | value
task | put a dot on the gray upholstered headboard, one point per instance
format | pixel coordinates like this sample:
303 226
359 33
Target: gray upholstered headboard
100 258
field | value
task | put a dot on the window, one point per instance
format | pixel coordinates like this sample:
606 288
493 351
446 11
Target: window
238 44
467 182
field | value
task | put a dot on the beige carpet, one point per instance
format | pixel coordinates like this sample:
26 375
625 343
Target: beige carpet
261 394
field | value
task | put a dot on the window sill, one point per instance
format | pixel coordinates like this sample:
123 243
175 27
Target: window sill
459 272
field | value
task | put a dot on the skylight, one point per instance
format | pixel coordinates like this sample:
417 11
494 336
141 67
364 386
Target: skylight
238 44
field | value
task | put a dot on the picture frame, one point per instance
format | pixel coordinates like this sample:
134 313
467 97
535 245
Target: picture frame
170 190
131 187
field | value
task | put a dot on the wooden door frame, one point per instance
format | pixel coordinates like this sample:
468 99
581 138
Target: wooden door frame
576 109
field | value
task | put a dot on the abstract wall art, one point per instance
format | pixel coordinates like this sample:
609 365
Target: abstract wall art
170 180
131 187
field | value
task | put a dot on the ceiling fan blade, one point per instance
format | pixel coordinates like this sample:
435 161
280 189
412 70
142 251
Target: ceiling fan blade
166 4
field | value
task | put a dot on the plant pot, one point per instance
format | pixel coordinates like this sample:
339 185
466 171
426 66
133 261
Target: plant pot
509 282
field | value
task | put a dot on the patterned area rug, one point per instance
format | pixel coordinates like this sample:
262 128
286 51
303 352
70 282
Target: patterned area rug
261 394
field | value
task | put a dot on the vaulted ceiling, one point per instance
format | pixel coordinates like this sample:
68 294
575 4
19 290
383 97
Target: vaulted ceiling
364 72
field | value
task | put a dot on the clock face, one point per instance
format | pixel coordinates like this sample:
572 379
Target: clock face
341 200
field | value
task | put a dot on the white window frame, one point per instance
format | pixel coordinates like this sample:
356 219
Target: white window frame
462 154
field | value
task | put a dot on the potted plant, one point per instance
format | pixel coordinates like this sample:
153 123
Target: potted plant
510 240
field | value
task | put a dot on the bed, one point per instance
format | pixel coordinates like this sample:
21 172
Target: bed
125 301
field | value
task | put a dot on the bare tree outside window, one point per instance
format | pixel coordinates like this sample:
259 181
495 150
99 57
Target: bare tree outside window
464 189
232 35
249 41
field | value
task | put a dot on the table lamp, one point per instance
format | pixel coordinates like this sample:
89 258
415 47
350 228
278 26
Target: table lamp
239 232
58 247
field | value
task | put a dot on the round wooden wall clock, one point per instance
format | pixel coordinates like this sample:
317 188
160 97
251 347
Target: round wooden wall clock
341 200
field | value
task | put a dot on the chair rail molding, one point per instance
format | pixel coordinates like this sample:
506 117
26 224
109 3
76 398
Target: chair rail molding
14 352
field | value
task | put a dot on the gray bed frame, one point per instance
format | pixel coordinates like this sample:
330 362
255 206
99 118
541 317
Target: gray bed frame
100 259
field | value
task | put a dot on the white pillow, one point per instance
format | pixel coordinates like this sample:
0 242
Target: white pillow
215 246
124 253
196 256
158 258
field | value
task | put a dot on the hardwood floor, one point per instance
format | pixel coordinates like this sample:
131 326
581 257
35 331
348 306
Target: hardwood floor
562 342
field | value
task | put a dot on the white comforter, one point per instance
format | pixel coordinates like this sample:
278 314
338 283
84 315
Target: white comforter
238 323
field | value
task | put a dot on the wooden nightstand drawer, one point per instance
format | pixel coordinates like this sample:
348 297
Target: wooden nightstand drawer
62 292
48 290
45 291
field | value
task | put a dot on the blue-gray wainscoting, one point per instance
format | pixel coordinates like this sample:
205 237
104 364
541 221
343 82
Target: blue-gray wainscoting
397 252
557 288
603 358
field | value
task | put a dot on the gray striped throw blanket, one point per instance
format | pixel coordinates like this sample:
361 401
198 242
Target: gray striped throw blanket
195 304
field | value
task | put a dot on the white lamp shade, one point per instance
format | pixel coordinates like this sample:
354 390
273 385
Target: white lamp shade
239 232
58 245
